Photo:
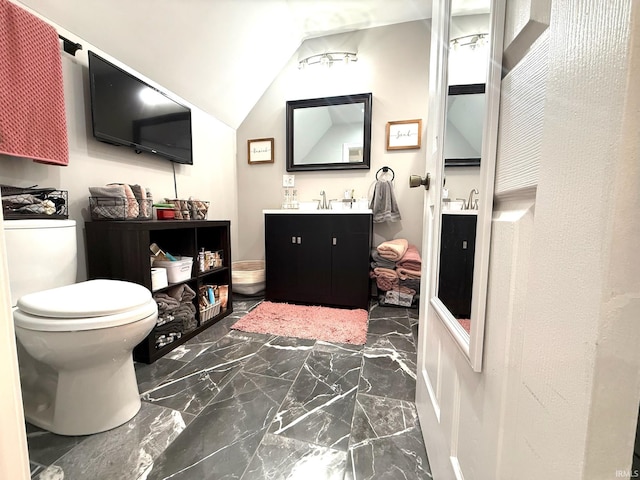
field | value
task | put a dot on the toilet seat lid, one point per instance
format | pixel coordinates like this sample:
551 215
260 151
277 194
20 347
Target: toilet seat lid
27 321
93 298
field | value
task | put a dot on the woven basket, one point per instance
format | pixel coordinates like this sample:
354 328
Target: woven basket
209 312
248 276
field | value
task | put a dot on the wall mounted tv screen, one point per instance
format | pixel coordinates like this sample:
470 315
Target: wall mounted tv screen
127 111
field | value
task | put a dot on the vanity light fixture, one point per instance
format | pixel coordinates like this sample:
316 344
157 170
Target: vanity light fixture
328 59
472 41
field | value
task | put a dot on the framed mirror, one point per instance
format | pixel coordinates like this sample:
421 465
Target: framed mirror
472 49
330 133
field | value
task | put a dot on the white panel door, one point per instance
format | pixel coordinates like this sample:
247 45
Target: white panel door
428 377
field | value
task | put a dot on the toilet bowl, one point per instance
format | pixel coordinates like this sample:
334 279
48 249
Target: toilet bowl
75 347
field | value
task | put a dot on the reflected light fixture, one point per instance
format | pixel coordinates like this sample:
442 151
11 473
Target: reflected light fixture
473 41
328 59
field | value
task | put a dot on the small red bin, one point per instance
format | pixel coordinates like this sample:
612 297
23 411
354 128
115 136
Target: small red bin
165 213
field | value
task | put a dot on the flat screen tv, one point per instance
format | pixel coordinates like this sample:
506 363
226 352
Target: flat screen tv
127 111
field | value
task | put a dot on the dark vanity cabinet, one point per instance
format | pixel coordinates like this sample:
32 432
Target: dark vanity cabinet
318 258
120 250
457 249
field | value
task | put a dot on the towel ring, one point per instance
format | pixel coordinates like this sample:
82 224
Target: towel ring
385 170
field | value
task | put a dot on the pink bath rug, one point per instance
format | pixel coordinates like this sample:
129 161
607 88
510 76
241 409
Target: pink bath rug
301 321
466 324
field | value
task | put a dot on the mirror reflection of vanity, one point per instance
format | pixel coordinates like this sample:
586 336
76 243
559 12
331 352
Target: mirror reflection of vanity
462 160
469 130
462 154
331 133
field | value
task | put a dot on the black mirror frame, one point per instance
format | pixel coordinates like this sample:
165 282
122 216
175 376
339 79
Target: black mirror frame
292 105
467 89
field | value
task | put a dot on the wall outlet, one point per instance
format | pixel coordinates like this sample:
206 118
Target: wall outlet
288 180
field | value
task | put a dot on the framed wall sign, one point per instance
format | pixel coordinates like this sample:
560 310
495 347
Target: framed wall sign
404 134
260 150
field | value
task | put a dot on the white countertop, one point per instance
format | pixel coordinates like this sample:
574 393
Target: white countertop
460 212
318 212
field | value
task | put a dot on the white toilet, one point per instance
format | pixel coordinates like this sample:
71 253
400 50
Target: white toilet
75 339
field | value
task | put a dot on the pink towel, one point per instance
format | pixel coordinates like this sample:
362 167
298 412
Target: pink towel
32 113
406 273
386 278
411 259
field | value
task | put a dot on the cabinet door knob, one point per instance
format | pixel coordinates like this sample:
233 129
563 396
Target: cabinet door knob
293 239
335 241
299 240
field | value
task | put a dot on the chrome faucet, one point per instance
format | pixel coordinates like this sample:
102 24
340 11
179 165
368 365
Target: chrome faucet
323 205
470 204
464 203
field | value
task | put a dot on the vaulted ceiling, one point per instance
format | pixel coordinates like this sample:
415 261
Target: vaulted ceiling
220 55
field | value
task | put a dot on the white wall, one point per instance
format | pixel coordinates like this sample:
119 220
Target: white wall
212 177
329 148
92 163
461 180
558 394
393 65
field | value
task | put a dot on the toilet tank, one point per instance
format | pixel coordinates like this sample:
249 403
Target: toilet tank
41 254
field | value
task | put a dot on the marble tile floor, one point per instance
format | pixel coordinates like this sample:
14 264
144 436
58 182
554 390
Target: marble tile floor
235 405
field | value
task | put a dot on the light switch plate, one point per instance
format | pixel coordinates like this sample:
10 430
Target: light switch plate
288 180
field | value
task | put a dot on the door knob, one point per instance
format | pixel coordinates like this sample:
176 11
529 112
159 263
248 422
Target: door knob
417 180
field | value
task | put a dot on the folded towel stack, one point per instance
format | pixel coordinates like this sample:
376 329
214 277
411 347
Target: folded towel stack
176 314
396 265
409 268
407 274
386 278
412 283
411 259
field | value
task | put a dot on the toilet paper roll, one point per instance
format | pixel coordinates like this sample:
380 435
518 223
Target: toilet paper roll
158 278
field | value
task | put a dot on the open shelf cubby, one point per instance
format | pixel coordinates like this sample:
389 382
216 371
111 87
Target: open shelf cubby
120 250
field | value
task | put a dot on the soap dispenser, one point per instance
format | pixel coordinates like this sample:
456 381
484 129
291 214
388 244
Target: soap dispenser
287 199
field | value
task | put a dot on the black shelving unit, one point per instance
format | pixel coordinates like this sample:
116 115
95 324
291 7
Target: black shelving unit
119 250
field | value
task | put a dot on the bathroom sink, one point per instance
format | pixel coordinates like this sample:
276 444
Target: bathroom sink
313 205
357 205
448 206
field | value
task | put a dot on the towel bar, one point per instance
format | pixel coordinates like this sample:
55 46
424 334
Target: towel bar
69 46
385 169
